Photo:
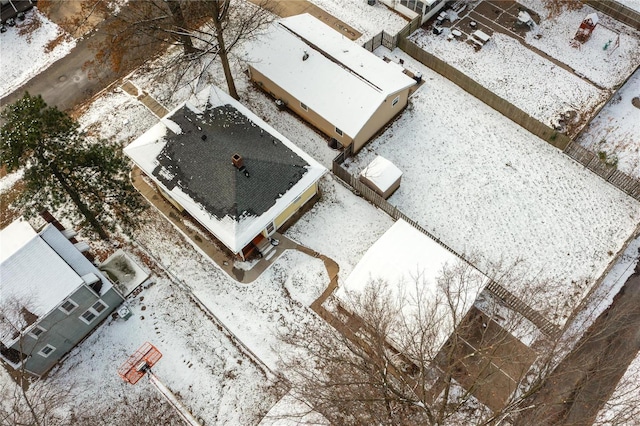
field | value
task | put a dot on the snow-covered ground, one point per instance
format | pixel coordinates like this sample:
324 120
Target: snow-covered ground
486 186
616 129
7 182
527 80
26 55
607 68
127 118
215 380
534 83
369 20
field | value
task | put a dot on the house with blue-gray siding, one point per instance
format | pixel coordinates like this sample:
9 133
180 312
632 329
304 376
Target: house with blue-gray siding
51 295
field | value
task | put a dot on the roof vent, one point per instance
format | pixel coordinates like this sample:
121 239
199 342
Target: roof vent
305 56
237 161
203 137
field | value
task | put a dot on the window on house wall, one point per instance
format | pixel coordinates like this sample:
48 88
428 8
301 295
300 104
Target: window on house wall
395 101
304 107
46 351
338 131
68 306
36 331
92 313
271 228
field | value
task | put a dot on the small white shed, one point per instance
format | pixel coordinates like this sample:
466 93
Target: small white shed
382 176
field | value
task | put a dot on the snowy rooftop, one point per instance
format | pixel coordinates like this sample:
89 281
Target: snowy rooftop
13 237
33 274
188 154
411 263
339 80
382 173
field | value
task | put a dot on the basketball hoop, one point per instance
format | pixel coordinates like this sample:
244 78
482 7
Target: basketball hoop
139 363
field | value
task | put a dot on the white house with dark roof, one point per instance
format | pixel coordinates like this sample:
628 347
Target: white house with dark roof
52 296
333 83
228 169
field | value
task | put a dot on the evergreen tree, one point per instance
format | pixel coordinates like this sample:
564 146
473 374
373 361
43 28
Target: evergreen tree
61 166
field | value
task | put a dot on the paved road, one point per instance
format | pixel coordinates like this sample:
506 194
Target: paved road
65 83
586 378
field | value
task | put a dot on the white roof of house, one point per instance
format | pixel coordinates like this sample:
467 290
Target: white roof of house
232 232
35 276
339 80
382 173
411 263
14 236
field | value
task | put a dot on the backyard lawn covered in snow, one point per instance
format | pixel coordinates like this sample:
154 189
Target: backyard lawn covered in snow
536 84
484 185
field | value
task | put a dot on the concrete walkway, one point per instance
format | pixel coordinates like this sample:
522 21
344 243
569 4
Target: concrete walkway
222 256
152 105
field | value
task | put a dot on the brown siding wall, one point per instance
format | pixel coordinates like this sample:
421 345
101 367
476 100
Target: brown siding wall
294 105
382 116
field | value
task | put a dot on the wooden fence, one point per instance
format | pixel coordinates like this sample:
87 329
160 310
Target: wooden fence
617 11
559 140
502 293
391 41
371 196
592 161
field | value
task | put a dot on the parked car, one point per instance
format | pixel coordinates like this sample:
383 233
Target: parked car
10 10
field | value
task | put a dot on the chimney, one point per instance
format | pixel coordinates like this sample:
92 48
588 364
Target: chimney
237 161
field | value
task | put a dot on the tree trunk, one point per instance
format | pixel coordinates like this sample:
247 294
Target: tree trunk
219 16
84 210
178 19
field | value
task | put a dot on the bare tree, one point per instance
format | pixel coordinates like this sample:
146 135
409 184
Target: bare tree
388 363
29 401
52 401
205 30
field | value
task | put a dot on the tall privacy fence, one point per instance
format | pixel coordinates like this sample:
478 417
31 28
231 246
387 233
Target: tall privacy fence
615 177
391 41
375 199
588 159
617 11
559 140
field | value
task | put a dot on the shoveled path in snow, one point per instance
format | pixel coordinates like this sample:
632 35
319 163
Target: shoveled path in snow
586 378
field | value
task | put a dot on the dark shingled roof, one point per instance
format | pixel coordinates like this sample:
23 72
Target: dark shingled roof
198 160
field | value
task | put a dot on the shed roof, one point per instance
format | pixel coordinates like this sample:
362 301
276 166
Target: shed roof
411 262
339 80
188 154
33 275
382 173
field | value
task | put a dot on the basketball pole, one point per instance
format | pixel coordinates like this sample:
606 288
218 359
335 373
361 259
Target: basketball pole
172 400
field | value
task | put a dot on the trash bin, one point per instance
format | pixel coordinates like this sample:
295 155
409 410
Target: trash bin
417 77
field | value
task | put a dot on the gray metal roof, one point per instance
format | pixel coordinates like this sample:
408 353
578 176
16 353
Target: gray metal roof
198 160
